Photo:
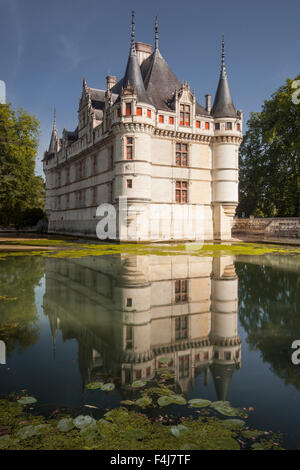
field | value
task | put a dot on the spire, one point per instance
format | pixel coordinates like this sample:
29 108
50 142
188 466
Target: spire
156 33
223 104
133 76
54 136
132 48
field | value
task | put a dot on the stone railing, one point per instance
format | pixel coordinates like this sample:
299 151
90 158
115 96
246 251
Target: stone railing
274 227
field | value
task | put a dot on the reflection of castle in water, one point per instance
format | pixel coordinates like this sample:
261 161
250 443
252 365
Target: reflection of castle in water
128 312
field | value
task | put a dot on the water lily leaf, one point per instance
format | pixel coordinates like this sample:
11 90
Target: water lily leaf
127 402
89 432
4 441
178 400
94 385
165 400
108 387
27 400
135 434
234 424
30 431
139 384
82 421
144 402
65 425
199 403
225 409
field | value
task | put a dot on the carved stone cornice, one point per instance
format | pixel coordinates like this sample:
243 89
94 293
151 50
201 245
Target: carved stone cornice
227 139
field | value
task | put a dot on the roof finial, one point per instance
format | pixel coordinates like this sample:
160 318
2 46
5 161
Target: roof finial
223 66
132 49
156 33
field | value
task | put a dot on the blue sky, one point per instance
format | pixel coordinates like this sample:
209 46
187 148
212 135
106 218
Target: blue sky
47 47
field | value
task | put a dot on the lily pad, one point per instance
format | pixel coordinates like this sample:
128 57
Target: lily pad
30 431
139 384
65 425
127 402
83 421
189 446
225 409
108 387
27 400
257 446
199 403
178 399
165 401
249 434
144 402
234 424
89 432
176 430
4 441
94 385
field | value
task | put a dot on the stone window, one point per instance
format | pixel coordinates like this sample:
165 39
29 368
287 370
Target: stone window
181 327
181 192
197 357
161 118
128 109
129 302
229 126
227 355
171 120
217 126
207 125
181 290
138 373
184 365
206 356
129 184
149 113
139 111
129 148
148 371
238 126
198 124
185 115
181 154
119 114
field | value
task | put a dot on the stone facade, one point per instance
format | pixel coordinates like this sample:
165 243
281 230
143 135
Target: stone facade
147 139
280 227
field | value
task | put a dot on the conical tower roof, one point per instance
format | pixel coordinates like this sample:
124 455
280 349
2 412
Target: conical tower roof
133 76
54 136
223 105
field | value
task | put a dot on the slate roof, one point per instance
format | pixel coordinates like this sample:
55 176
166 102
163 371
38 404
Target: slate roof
223 105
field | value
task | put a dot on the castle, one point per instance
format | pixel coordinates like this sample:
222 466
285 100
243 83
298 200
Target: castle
146 140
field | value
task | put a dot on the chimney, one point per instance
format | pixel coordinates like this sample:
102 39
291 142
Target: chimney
110 81
208 103
143 51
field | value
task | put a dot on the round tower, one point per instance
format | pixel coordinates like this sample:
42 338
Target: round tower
225 157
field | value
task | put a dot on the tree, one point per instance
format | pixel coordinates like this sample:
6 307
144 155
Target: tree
20 189
270 158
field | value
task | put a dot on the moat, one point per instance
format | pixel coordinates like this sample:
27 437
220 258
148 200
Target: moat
223 322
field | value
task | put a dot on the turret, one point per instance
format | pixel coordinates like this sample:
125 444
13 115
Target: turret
225 147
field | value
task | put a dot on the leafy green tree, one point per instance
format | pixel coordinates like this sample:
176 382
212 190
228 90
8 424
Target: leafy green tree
20 189
270 158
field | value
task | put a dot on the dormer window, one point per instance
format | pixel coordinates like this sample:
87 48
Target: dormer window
185 115
217 126
128 109
229 126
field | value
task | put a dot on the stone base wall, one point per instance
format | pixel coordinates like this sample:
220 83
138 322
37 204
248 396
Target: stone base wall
288 227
